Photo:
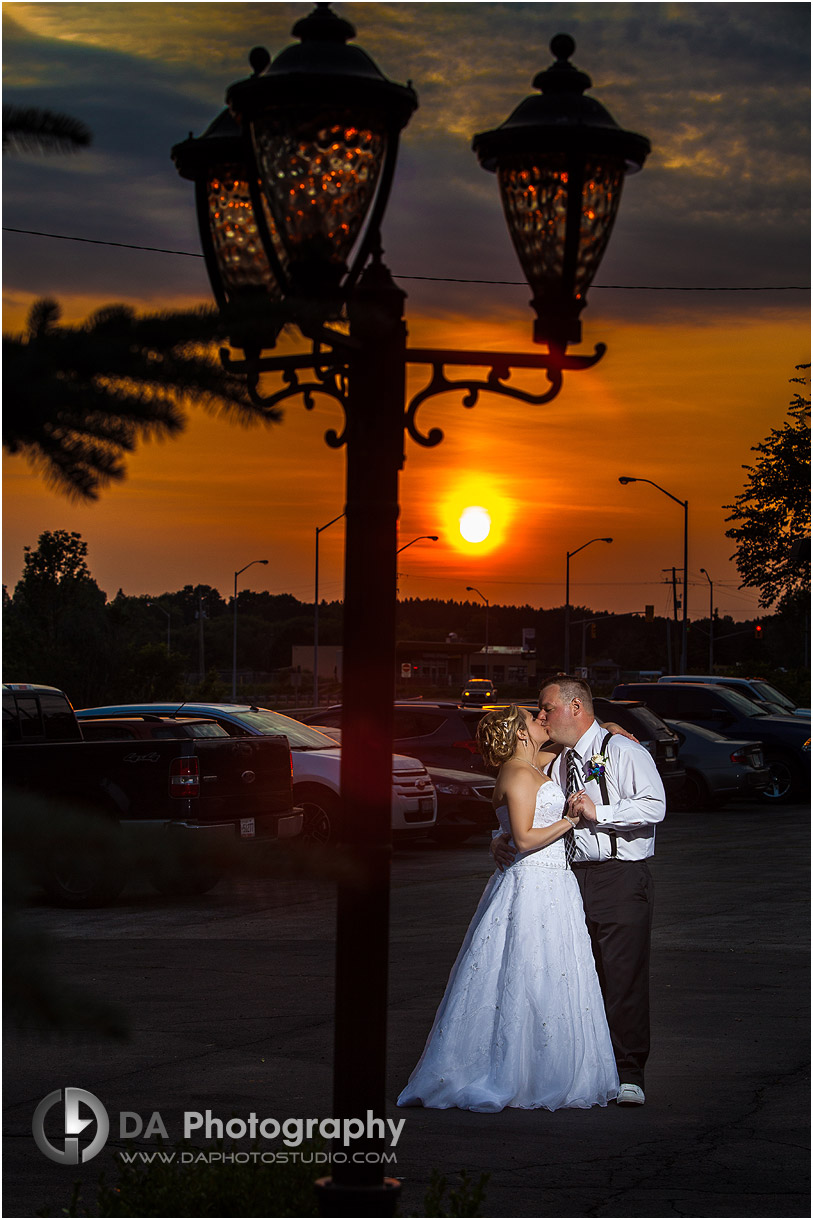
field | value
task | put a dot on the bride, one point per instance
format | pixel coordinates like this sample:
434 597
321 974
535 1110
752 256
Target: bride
522 1020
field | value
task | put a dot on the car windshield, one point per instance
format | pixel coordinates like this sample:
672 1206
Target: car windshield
300 736
743 705
765 691
649 720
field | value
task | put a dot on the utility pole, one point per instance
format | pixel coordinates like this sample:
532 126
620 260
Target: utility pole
201 662
676 606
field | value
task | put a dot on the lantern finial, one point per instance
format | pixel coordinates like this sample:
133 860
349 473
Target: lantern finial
562 46
259 58
323 25
562 77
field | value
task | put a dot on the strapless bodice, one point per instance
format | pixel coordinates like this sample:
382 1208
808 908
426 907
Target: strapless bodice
550 804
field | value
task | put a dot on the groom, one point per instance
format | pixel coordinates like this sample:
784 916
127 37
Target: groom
622 800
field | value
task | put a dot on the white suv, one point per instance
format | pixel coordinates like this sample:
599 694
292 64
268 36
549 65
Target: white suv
316 762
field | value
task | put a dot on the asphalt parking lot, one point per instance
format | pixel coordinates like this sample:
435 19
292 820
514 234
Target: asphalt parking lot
229 1001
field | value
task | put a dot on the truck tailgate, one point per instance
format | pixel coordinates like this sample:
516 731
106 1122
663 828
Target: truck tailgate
242 777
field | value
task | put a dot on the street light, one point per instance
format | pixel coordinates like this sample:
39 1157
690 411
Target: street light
319 530
570 555
684 639
711 620
423 538
471 589
320 126
234 642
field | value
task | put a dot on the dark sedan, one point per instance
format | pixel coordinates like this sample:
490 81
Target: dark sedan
717 768
464 804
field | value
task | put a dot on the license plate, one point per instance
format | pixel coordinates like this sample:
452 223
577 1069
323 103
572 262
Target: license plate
425 804
246 828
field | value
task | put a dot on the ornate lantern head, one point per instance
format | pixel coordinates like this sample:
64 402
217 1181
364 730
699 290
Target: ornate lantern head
323 123
560 159
243 281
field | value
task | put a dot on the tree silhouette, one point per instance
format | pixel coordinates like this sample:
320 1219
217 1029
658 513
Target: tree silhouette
78 398
33 129
772 513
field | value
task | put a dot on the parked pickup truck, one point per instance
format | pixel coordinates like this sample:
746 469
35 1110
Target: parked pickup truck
177 800
316 765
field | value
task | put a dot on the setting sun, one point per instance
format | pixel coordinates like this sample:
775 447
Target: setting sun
475 524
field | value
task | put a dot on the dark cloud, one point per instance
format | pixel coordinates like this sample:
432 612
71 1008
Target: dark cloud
720 89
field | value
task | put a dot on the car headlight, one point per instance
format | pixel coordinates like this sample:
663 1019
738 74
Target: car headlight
454 789
806 746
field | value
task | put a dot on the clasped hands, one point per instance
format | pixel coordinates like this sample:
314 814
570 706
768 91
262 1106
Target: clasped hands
581 806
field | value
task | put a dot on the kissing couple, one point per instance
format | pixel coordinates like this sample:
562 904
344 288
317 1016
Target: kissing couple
547 1004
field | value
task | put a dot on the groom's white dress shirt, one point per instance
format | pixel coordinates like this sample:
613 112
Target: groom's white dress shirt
637 801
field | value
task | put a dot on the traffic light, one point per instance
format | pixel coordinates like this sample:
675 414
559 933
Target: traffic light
757 631
592 631
649 613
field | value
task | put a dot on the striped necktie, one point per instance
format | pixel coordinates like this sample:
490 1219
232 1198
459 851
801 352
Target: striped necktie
574 783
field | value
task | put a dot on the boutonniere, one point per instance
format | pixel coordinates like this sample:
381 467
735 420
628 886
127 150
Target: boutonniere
597 767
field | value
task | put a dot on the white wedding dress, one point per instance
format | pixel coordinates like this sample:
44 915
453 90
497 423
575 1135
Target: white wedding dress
522 1020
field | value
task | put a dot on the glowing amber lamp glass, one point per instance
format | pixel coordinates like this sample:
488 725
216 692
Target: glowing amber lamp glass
535 199
321 182
235 235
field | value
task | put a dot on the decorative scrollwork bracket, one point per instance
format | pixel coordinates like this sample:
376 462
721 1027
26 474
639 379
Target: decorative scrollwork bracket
330 377
328 360
500 365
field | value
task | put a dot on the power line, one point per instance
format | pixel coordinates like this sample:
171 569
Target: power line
94 241
433 279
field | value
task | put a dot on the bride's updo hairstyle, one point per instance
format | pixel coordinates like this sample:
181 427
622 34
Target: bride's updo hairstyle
497 734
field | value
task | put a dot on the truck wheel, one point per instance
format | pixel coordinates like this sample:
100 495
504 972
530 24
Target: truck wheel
322 814
782 785
86 876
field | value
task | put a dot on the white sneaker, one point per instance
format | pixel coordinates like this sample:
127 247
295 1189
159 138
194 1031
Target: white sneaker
630 1095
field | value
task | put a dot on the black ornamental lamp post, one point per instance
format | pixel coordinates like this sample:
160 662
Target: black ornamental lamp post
292 182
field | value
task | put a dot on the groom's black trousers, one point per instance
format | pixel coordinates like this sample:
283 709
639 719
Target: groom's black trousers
618 898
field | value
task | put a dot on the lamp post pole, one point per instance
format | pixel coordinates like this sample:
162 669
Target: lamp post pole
471 589
711 620
570 555
282 226
234 634
201 643
319 530
684 638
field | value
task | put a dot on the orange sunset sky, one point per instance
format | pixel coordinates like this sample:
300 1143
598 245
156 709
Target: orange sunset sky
691 380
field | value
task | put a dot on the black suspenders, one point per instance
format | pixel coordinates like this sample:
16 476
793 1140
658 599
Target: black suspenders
602 783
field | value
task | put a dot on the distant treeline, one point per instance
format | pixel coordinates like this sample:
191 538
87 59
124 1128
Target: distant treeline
66 633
